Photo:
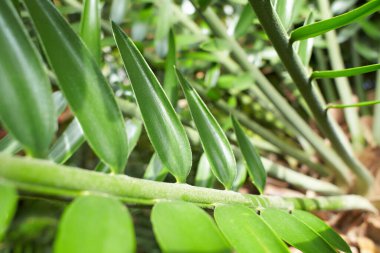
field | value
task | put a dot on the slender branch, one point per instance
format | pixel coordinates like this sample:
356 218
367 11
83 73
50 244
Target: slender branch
279 38
46 178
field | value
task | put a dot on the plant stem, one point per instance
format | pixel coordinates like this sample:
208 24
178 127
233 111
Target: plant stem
46 178
289 114
280 40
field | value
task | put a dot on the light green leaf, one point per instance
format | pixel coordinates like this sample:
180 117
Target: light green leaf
214 141
215 45
285 11
245 21
155 171
246 231
204 176
26 105
324 230
8 205
184 227
324 26
119 9
294 232
95 224
81 81
170 81
305 47
241 176
90 27
254 165
345 72
164 129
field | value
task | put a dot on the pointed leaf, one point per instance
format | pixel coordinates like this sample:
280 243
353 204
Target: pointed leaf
294 232
254 165
324 26
345 72
170 81
90 27
184 227
86 90
94 224
324 230
164 129
246 231
214 141
8 205
26 105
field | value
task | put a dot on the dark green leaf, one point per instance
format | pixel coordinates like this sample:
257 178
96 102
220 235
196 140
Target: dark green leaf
26 105
90 27
94 224
164 129
254 165
214 141
246 231
8 205
324 26
86 90
184 227
324 230
170 81
294 232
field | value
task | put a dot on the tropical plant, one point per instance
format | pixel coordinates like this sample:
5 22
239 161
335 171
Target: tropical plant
228 101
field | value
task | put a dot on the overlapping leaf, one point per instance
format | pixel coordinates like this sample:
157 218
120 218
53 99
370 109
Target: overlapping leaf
164 129
26 105
86 90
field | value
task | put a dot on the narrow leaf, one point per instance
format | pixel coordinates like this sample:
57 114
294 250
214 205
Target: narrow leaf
155 171
204 176
285 11
246 231
324 230
184 227
26 105
294 232
324 26
245 21
254 165
170 81
86 90
305 47
342 106
8 205
164 129
214 141
345 72
95 224
90 27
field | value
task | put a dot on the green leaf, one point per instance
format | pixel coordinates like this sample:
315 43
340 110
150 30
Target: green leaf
241 176
214 141
324 26
170 81
90 27
119 9
81 81
305 47
245 21
345 72
8 205
164 129
26 105
360 104
324 230
294 232
215 45
285 11
254 165
204 176
184 227
95 224
155 171
246 231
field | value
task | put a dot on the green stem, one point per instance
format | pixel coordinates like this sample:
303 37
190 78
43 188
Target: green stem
289 114
279 38
47 178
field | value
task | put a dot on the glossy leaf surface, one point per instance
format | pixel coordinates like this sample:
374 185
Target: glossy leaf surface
254 165
86 90
324 26
164 129
323 229
184 227
94 224
294 232
26 105
90 27
214 141
8 205
246 231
